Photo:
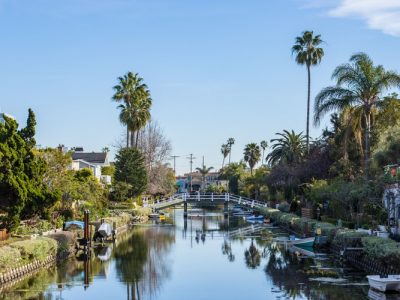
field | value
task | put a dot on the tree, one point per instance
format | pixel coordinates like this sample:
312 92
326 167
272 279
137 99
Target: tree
225 150
252 155
234 173
130 168
308 53
230 143
204 171
288 148
22 189
264 145
359 84
135 107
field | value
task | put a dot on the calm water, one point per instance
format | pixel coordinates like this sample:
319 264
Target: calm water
177 262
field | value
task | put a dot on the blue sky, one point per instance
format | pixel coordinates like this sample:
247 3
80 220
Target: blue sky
216 68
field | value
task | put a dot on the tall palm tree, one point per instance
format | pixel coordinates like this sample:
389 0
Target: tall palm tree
135 106
230 142
204 172
288 148
308 53
224 151
252 155
359 84
264 145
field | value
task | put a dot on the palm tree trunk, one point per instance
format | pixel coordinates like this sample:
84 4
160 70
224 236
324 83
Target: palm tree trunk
127 137
133 138
367 145
137 139
308 109
229 161
262 161
223 162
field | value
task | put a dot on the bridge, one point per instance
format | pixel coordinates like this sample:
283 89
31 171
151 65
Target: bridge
206 199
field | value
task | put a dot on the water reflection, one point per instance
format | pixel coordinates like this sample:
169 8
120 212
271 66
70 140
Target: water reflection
197 259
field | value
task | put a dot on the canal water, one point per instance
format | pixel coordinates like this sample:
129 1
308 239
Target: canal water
206 257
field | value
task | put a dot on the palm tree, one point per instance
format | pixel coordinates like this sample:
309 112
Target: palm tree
288 148
230 142
204 171
252 155
224 151
135 106
308 53
360 85
264 145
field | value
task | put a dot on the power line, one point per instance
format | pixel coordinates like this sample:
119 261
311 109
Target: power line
174 157
191 158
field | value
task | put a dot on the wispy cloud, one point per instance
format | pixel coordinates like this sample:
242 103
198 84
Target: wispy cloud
381 15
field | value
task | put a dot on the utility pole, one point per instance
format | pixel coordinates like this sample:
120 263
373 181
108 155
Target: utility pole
174 157
191 158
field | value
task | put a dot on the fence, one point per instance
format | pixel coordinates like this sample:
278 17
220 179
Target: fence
3 235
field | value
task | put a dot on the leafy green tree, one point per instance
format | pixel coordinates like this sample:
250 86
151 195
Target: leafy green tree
359 84
225 150
252 155
263 145
308 53
22 190
130 168
288 148
234 173
230 143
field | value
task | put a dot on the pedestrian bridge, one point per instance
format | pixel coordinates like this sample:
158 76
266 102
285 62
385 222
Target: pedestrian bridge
206 199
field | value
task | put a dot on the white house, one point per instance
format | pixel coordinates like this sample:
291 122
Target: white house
94 161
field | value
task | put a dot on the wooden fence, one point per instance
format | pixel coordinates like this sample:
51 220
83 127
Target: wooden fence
3 235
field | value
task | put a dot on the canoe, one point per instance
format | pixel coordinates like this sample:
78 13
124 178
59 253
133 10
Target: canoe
306 242
391 283
105 230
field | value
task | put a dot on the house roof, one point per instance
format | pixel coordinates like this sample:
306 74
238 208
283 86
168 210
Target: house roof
91 157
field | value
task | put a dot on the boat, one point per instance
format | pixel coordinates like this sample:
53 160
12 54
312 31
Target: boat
242 213
154 216
306 242
72 224
255 218
105 230
384 284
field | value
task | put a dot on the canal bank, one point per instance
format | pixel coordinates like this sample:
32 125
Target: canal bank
23 258
372 254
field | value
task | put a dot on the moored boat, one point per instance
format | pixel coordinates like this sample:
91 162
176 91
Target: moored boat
306 242
384 284
105 230
255 218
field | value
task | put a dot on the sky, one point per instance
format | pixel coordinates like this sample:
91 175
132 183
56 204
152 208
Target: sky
216 68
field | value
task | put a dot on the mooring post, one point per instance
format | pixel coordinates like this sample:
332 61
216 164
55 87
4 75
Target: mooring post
86 229
185 210
226 209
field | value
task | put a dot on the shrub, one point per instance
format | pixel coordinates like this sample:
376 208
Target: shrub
349 238
35 249
8 257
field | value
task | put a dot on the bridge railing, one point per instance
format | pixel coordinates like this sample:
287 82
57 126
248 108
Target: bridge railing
211 197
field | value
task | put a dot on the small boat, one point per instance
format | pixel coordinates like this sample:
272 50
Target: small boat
306 242
242 213
162 216
383 284
105 230
255 218
73 224
154 216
